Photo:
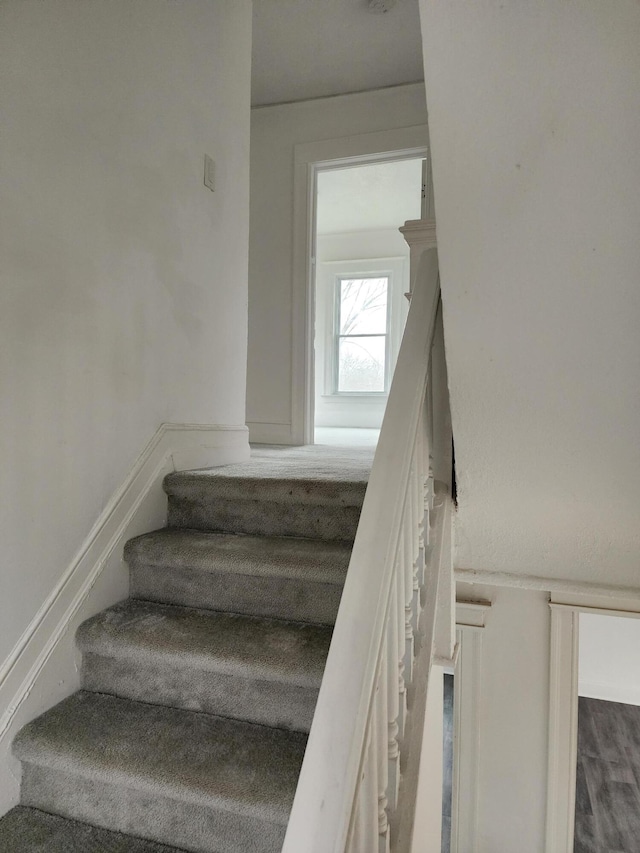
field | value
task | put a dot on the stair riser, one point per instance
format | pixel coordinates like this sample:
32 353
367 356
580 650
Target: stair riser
267 703
262 518
281 598
191 826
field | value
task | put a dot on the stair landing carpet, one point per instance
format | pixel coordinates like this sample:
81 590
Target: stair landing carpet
198 692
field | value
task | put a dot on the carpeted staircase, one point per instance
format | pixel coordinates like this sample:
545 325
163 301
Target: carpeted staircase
198 691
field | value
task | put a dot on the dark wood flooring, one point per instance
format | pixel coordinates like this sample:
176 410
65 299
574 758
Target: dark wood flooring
447 775
608 778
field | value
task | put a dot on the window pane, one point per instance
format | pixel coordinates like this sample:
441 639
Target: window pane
363 306
361 363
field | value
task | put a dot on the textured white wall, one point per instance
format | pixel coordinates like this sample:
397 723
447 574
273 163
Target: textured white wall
609 658
534 112
123 298
274 133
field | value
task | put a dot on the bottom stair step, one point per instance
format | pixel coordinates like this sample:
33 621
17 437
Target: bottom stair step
25 830
197 782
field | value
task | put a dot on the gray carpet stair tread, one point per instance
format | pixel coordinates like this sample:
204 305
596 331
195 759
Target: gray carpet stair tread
267 649
320 561
189 757
26 830
294 475
274 577
199 690
296 464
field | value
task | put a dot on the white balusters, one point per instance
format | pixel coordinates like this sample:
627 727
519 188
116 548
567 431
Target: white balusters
393 702
400 627
407 568
429 422
423 519
415 557
371 784
347 797
381 755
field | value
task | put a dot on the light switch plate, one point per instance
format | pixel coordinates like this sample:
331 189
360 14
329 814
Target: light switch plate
209 172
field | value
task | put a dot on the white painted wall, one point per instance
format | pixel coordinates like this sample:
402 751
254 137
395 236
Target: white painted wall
383 251
512 720
274 133
123 293
534 113
609 658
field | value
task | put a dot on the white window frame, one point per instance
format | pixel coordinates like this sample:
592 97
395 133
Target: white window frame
336 335
393 267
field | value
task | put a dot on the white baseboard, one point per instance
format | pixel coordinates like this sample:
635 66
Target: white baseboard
43 667
556 586
265 433
628 694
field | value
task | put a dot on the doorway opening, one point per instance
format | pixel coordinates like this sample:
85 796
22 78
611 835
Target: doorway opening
607 801
360 273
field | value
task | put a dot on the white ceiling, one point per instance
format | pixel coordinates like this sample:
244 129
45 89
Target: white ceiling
363 198
311 48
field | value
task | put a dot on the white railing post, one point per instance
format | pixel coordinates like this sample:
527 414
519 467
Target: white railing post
420 235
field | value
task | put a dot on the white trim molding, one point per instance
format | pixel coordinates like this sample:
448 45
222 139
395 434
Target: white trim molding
467 698
563 703
41 669
309 158
561 588
261 432
563 730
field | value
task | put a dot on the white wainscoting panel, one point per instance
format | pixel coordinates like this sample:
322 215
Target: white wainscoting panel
470 620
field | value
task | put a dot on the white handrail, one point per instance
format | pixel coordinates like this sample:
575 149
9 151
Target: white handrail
348 788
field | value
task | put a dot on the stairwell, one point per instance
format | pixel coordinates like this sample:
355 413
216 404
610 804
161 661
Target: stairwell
199 690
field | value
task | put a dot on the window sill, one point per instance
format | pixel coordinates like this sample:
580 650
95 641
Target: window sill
361 395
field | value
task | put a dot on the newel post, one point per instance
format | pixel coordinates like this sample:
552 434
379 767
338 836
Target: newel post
420 235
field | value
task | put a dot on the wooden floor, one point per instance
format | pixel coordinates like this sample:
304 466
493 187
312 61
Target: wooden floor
608 778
